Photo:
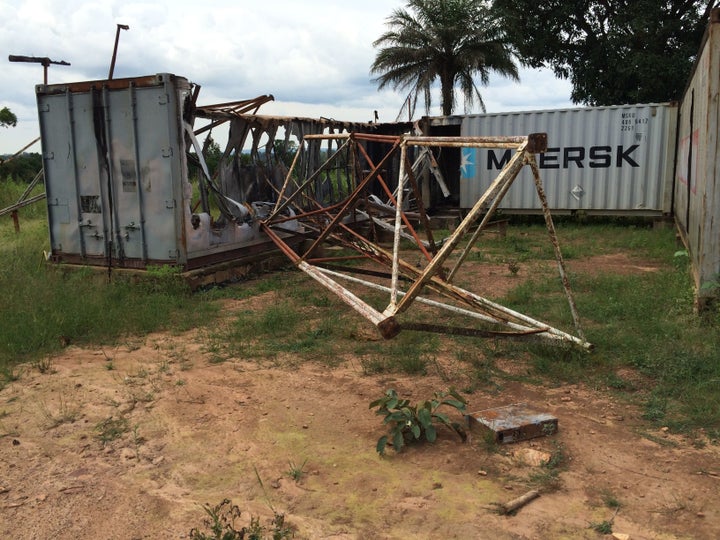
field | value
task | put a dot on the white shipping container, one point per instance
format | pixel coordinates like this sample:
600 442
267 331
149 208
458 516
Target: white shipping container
601 160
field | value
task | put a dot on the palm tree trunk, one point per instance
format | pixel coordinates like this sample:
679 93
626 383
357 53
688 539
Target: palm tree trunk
447 92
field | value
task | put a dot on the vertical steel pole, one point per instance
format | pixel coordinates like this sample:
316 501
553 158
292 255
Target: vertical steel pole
114 55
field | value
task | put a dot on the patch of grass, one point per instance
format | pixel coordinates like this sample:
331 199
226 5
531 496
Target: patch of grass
643 321
296 472
66 413
281 327
8 374
604 527
111 429
610 500
408 353
44 365
43 303
220 522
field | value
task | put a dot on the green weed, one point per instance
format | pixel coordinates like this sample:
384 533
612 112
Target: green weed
296 472
111 429
408 423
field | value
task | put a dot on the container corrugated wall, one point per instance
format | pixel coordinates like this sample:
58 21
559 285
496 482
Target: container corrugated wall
114 161
602 160
697 186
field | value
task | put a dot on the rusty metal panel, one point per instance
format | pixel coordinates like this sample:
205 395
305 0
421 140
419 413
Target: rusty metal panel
697 175
512 423
603 160
114 161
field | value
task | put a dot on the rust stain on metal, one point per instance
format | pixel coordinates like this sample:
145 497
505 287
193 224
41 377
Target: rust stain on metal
513 423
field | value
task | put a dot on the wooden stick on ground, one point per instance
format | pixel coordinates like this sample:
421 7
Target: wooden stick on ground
521 501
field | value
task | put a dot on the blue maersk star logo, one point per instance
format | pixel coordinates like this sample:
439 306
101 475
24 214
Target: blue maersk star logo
467 163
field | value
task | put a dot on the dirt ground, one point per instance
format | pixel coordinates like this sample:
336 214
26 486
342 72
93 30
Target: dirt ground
130 442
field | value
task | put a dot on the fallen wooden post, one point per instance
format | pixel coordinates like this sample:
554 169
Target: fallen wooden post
515 504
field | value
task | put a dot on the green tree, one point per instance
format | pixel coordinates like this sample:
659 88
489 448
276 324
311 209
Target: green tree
7 118
612 51
453 41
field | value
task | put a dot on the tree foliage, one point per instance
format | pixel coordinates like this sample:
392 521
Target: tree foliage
453 41
613 51
7 118
21 169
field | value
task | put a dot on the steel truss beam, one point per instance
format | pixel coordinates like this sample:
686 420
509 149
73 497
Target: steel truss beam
407 284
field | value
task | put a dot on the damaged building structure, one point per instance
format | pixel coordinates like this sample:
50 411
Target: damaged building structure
128 187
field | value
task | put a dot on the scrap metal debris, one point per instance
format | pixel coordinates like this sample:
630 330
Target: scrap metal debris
342 212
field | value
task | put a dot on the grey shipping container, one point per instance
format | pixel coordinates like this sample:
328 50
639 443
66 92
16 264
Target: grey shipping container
116 177
601 160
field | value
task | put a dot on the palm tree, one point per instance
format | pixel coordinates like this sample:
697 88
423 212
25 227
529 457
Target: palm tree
451 40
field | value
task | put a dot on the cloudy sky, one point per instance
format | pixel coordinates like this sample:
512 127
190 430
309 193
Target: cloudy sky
314 57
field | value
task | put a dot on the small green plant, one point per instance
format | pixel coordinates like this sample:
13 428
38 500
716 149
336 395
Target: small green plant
514 267
295 472
221 522
416 422
610 500
111 428
604 527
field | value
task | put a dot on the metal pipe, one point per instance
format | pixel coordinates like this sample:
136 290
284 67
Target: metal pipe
556 245
115 48
398 228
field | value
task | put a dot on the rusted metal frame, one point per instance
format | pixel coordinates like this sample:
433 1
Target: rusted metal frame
477 300
484 142
351 201
500 314
486 218
556 245
288 177
21 204
323 136
538 329
40 174
378 138
387 325
279 207
385 225
507 175
421 209
244 104
470 332
391 198
243 107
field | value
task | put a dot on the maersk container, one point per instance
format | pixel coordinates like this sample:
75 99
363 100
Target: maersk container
601 160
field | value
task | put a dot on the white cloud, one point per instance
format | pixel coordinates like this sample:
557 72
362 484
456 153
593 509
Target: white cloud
313 57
